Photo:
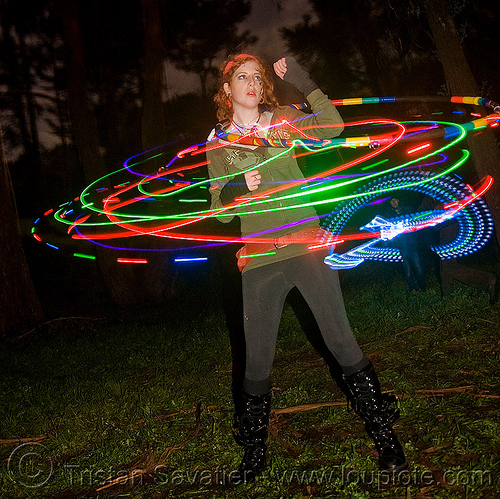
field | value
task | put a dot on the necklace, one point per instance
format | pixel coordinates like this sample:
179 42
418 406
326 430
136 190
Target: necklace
253 125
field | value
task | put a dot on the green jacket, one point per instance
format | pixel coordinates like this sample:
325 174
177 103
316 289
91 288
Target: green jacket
277 167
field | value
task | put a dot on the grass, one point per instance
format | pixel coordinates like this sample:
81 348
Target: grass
139 405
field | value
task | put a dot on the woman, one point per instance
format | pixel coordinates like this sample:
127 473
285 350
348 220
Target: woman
242 173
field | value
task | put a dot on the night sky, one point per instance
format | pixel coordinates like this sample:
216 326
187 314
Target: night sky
264 21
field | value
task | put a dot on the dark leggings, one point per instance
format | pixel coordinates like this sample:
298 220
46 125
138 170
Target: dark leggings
413 269
264 292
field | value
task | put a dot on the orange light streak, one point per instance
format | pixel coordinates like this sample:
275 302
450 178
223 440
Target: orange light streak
131 260
325 245
418 148
78 222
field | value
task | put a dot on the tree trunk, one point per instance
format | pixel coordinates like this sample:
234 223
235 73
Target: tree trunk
122 281
157 273
153 114
20 307
83 121
461 82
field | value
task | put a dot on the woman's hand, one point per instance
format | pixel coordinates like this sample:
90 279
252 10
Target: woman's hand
252 179
295 75
280 67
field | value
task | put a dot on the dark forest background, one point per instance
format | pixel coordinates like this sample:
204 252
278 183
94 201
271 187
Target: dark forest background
93 74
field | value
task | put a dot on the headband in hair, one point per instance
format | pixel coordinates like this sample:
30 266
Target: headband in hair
233 62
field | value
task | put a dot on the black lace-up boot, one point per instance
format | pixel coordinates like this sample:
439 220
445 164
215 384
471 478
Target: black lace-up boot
250 431
376 409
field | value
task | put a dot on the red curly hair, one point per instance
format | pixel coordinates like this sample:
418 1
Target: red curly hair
228 68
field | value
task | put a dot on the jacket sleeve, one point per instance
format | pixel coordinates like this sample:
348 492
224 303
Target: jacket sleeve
234 189
218 176
324 122
227 183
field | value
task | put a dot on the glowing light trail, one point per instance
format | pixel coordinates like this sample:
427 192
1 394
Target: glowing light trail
119 214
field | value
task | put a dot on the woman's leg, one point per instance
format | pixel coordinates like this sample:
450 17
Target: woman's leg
264 293
321 289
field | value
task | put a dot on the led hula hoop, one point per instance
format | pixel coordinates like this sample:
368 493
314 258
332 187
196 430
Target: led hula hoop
458 201
172 204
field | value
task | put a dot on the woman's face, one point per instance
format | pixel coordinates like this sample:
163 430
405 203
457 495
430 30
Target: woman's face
245 86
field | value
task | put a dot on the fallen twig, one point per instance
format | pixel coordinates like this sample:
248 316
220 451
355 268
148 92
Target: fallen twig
486 395
430 450
306 407
412 329
441 391
43 324
152 462
18 441
383 350
287 446
166 416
